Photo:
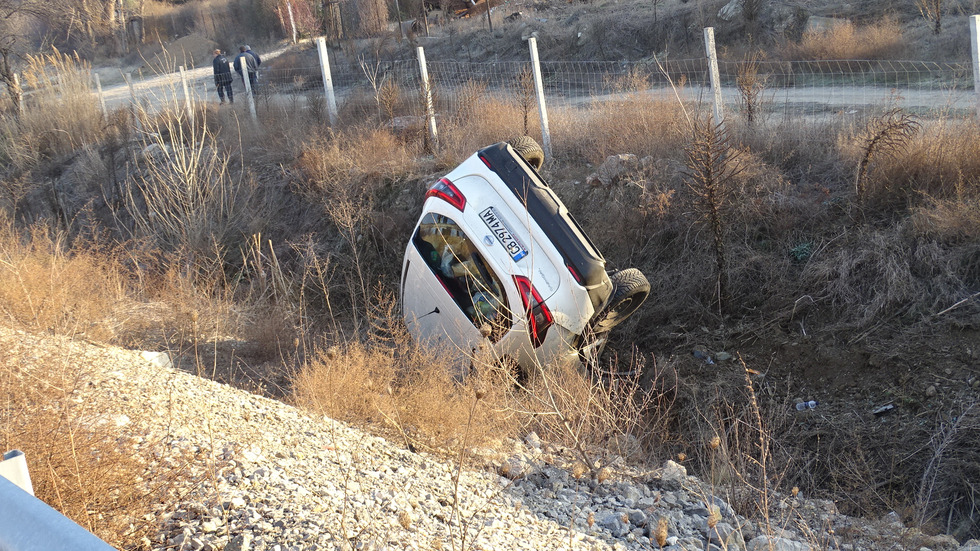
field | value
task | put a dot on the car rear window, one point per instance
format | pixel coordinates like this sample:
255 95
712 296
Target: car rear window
457 263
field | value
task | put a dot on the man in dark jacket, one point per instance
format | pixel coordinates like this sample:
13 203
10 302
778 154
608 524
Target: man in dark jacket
222 77
247 63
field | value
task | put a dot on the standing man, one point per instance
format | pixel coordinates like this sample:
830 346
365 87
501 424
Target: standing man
246 63
222 77
248 49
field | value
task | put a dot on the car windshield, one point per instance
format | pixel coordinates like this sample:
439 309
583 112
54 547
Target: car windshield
456 262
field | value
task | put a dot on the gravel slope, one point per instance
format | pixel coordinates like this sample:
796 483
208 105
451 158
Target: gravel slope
262 475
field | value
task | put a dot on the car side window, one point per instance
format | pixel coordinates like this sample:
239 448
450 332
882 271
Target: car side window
456 261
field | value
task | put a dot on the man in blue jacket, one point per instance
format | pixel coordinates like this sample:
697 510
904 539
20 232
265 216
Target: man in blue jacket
248 49
247 63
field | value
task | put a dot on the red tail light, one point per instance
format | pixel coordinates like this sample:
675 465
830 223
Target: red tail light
445 190
539 317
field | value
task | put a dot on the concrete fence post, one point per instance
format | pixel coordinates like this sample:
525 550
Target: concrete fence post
321 48
975 51
98 89
250 97
19 95
427 99
188 101
292 20
539 92
133 102
715 77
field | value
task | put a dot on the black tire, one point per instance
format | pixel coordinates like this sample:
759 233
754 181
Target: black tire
630 289
529 149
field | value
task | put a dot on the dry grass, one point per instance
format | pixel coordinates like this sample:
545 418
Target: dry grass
361 159
79 464
474 116
632 120
941 161
881 40
48 286
424 395
60 116
224 273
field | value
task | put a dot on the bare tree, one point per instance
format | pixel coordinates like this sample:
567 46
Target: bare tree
712 166
932 10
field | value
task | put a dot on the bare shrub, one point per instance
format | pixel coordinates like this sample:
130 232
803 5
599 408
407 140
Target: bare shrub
932 11
881 40
886 135
345 176
185 196
602 418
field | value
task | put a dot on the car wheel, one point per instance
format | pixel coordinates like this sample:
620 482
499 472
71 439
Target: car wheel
630 289
529 149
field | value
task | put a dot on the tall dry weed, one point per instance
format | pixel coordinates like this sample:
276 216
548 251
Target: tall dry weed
60 115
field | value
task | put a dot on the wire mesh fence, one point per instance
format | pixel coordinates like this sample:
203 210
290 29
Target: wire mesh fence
786 88
805 87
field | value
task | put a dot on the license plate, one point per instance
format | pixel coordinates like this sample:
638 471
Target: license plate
501 230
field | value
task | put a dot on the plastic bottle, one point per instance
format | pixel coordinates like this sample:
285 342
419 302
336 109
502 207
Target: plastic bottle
806 405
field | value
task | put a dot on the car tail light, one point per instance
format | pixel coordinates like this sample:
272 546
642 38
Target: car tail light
445 190
575 274
539 317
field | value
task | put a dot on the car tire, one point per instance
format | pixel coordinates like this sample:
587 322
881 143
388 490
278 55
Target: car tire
529 149
630 289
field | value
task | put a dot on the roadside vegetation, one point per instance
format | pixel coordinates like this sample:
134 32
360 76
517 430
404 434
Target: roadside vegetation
847 241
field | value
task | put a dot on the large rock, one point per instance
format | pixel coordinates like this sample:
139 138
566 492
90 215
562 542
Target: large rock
614 169
772 543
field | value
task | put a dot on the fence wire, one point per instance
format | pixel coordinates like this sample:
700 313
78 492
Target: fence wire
790 88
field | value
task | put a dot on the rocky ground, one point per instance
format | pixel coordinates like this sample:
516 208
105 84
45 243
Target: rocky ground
263 475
